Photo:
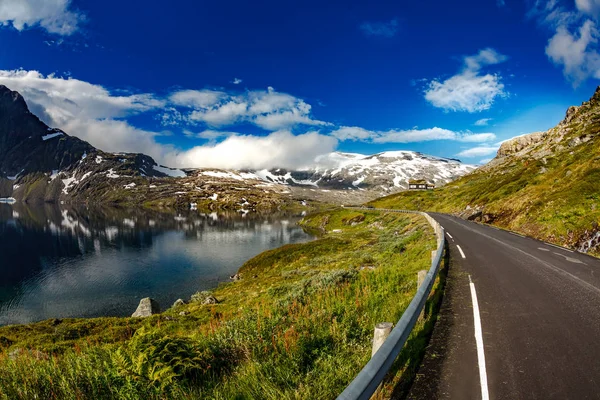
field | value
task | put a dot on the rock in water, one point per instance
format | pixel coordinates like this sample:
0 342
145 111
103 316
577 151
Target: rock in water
146 308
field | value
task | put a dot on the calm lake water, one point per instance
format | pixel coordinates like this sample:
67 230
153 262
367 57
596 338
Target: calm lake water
60 262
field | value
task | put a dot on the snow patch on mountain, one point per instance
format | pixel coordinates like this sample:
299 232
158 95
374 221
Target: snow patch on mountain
51 135
175 173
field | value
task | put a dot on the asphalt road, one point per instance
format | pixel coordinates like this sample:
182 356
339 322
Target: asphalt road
539 314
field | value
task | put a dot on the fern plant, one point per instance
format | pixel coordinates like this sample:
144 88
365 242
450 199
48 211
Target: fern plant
160 360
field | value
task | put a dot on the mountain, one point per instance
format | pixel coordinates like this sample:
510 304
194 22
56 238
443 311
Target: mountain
39 163
383 172
545 184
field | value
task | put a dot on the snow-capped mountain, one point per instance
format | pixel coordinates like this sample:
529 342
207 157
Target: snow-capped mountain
39 163
383 172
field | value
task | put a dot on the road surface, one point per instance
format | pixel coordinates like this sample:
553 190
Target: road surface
520 320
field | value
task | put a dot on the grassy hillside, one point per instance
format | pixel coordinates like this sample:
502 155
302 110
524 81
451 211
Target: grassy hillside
297 325
548 189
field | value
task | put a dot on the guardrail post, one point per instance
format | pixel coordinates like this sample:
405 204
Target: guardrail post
381 333
420 279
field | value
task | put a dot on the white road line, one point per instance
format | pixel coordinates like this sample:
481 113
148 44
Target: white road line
449 235
516 234
461 252
558 247
485 395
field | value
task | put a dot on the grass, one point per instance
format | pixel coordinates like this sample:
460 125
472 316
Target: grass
297 325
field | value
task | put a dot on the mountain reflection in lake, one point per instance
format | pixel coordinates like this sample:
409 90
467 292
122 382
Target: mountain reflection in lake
59 262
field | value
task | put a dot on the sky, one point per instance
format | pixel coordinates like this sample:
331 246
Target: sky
237 84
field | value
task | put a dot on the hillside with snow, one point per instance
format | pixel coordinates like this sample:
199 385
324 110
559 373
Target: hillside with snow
386 172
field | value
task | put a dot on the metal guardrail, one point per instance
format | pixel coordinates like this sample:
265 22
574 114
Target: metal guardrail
369 378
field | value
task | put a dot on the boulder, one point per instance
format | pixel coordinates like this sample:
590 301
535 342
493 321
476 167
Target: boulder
204 297
178 302
146 308
210 300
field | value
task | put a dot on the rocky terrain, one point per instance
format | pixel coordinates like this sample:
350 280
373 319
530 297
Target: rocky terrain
39 163
545 184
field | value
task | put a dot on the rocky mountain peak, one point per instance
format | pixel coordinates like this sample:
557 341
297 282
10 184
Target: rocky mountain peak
12 102
596 95
580 125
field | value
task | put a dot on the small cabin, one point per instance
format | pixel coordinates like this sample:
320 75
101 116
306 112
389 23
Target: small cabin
420 184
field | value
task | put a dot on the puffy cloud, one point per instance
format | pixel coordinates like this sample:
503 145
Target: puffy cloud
197 98
408 136
476 137
64 98
209 134
478 151
576 52
574 42
270 110
236 81
383 29
354 133
278 149
469 90
482 122
590 7
484 57
55 16
117 136
87 111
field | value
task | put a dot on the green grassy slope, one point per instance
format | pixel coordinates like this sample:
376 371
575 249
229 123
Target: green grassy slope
549 190
297 325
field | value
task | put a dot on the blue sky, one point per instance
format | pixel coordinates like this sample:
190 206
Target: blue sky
235 84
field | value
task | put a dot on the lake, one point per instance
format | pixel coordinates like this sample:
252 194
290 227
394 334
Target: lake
60 262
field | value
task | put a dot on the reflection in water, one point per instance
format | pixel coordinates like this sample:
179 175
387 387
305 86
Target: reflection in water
67 262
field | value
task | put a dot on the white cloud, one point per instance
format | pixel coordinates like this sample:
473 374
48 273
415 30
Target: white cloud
87 111
197 98
482 122
268 109
408 136
469 90
236 81
476 137
590 7
278 149
485 161
484 57
209 134
55 16
383 29
478 151
576 52
574 42
354 133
